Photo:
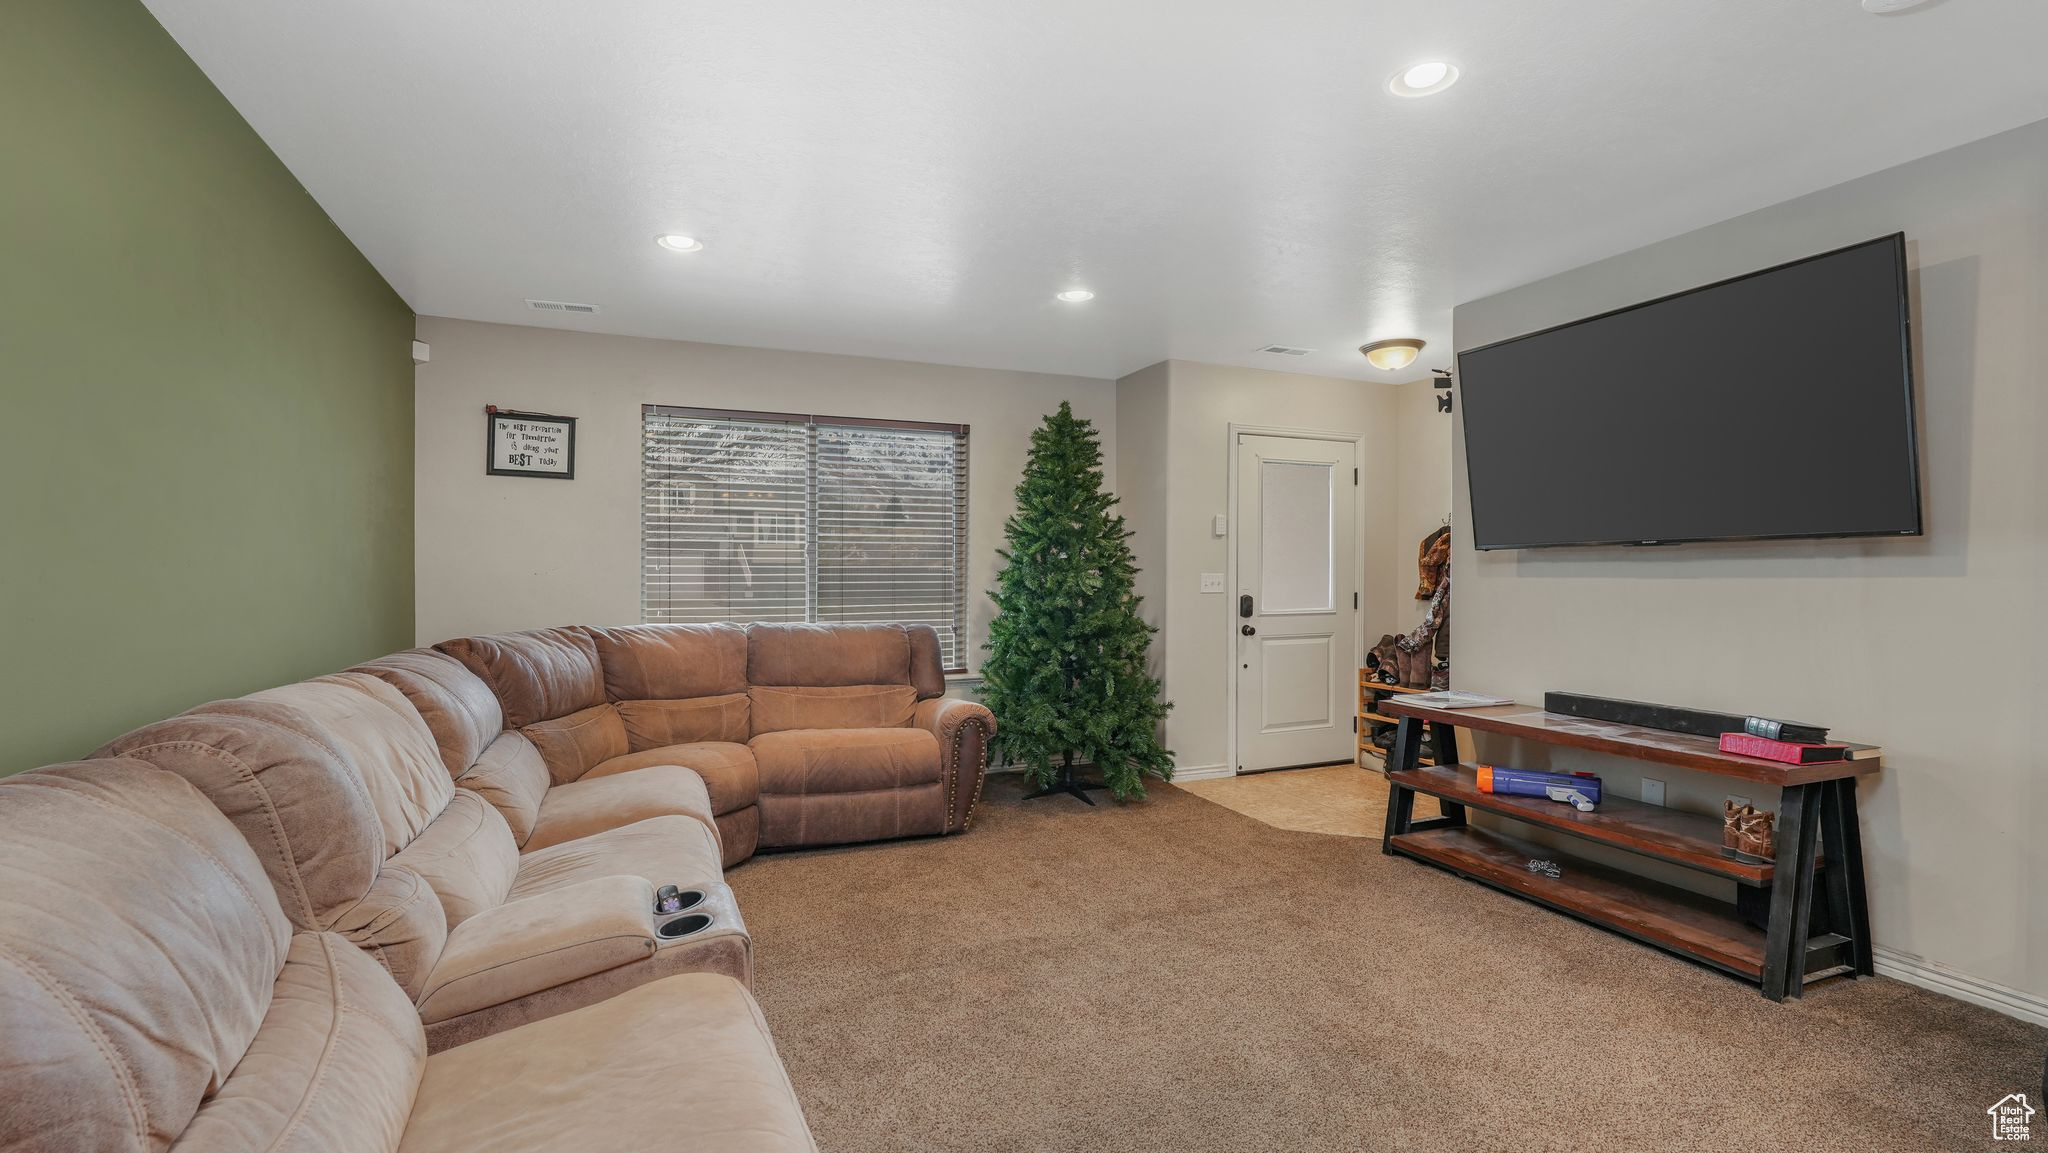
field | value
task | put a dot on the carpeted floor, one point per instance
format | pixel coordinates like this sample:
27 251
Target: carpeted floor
1176 976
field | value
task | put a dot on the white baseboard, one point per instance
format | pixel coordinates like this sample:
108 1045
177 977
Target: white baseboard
1941 979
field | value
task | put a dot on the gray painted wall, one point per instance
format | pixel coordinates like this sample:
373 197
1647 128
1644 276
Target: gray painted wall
499 553
1932 648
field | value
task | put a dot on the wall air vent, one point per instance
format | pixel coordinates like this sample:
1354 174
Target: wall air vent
560 306
1283 350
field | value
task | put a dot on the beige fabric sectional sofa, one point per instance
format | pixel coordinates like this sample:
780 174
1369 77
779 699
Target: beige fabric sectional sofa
247 926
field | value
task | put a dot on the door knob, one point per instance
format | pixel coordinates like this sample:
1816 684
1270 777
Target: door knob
1247 630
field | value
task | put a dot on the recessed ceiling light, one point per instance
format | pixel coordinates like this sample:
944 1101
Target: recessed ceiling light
1076 295
1392 354
1423 79
677 243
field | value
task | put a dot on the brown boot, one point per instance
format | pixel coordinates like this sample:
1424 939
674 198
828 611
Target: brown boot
1757 838
1731 825
1382 661
1415 670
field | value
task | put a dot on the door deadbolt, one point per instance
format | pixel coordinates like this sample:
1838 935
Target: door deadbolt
1244 605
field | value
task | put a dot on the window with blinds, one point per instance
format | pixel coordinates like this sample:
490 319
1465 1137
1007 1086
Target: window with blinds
773 517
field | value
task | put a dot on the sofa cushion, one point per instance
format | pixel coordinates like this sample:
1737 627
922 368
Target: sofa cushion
697 1034
297 800
839 707
457 706
466 855
537 675
336 1065
652 724
592 805
672 662
400 922
665 850
827 655
131 998
811 761
381 737
927 662
523 947
727 770
571 746
512 777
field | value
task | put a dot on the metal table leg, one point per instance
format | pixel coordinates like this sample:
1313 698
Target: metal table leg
1791 892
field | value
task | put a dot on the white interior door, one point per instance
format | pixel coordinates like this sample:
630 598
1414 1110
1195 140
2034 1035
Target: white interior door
1295 616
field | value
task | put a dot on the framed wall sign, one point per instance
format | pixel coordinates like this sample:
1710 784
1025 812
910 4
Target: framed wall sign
529 444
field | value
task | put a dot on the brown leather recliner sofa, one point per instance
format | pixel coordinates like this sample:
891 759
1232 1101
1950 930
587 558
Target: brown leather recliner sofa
803 734
154 994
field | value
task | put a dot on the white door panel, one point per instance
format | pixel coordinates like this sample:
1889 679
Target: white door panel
1294 540
1296 692
1297 564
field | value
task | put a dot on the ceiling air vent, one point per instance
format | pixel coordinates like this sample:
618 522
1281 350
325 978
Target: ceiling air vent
1283 350
560 306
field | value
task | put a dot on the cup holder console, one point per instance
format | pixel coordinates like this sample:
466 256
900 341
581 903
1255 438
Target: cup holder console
684 925
669 901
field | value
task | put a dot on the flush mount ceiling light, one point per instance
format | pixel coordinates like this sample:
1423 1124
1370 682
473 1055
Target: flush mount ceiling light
1887 7
1076 295
1425 79
678 243
1392 354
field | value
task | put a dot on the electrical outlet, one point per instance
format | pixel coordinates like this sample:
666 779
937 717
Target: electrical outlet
1653 791
1212 582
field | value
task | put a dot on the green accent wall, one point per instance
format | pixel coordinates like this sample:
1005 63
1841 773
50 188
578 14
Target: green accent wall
206 411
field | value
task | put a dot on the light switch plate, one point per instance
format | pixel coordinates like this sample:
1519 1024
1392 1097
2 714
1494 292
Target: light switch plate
1212 582
1653 791
1222 526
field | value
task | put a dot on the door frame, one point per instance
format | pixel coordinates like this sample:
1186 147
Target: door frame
1235 430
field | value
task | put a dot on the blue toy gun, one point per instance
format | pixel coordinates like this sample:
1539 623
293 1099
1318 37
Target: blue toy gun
1579 790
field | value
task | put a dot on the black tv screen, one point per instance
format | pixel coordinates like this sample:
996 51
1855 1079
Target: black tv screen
1774 405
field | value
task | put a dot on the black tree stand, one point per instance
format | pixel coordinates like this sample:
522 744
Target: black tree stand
1068 784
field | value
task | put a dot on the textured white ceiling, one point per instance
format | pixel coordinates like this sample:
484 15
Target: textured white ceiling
916 180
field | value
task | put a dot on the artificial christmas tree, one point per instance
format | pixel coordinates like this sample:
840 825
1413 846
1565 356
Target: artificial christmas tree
1067 652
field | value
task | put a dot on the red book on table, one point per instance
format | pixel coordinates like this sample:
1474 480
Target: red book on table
1786 752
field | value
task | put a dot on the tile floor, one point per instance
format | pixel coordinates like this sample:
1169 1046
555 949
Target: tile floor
1342 800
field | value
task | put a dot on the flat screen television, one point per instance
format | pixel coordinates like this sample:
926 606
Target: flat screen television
1774 405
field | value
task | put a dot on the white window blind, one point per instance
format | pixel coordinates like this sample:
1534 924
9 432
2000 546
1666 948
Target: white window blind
771 517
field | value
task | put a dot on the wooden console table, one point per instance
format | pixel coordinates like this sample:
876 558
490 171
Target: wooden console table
1799 939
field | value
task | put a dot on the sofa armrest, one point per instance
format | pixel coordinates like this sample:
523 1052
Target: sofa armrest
535 943
963 729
